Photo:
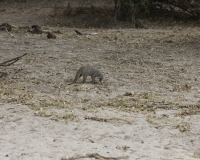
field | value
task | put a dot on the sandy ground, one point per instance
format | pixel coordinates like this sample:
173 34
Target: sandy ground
149 98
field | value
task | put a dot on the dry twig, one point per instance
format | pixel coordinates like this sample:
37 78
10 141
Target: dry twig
3 74
79 33
8 32
111 118
11 61
94 155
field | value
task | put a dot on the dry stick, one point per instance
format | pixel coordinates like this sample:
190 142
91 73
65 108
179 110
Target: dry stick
15 120
12 60
79 33
8 32
94 155
111 118
3 74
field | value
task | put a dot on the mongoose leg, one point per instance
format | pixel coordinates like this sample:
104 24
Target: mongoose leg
93 79
84 78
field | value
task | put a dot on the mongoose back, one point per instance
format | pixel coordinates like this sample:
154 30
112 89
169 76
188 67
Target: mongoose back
88 71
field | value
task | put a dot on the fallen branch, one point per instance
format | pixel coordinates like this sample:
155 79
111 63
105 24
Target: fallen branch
15 120
79 33
107 119
94 155
11 61
8 32
3 74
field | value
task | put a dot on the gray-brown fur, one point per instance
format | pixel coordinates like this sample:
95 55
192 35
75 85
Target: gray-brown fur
139 24
88 71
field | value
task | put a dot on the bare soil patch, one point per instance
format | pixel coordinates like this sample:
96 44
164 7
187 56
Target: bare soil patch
151 78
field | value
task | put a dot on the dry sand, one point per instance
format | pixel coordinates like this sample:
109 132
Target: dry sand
152 79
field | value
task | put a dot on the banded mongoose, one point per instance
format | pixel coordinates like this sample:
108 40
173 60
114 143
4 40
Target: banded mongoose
88 71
